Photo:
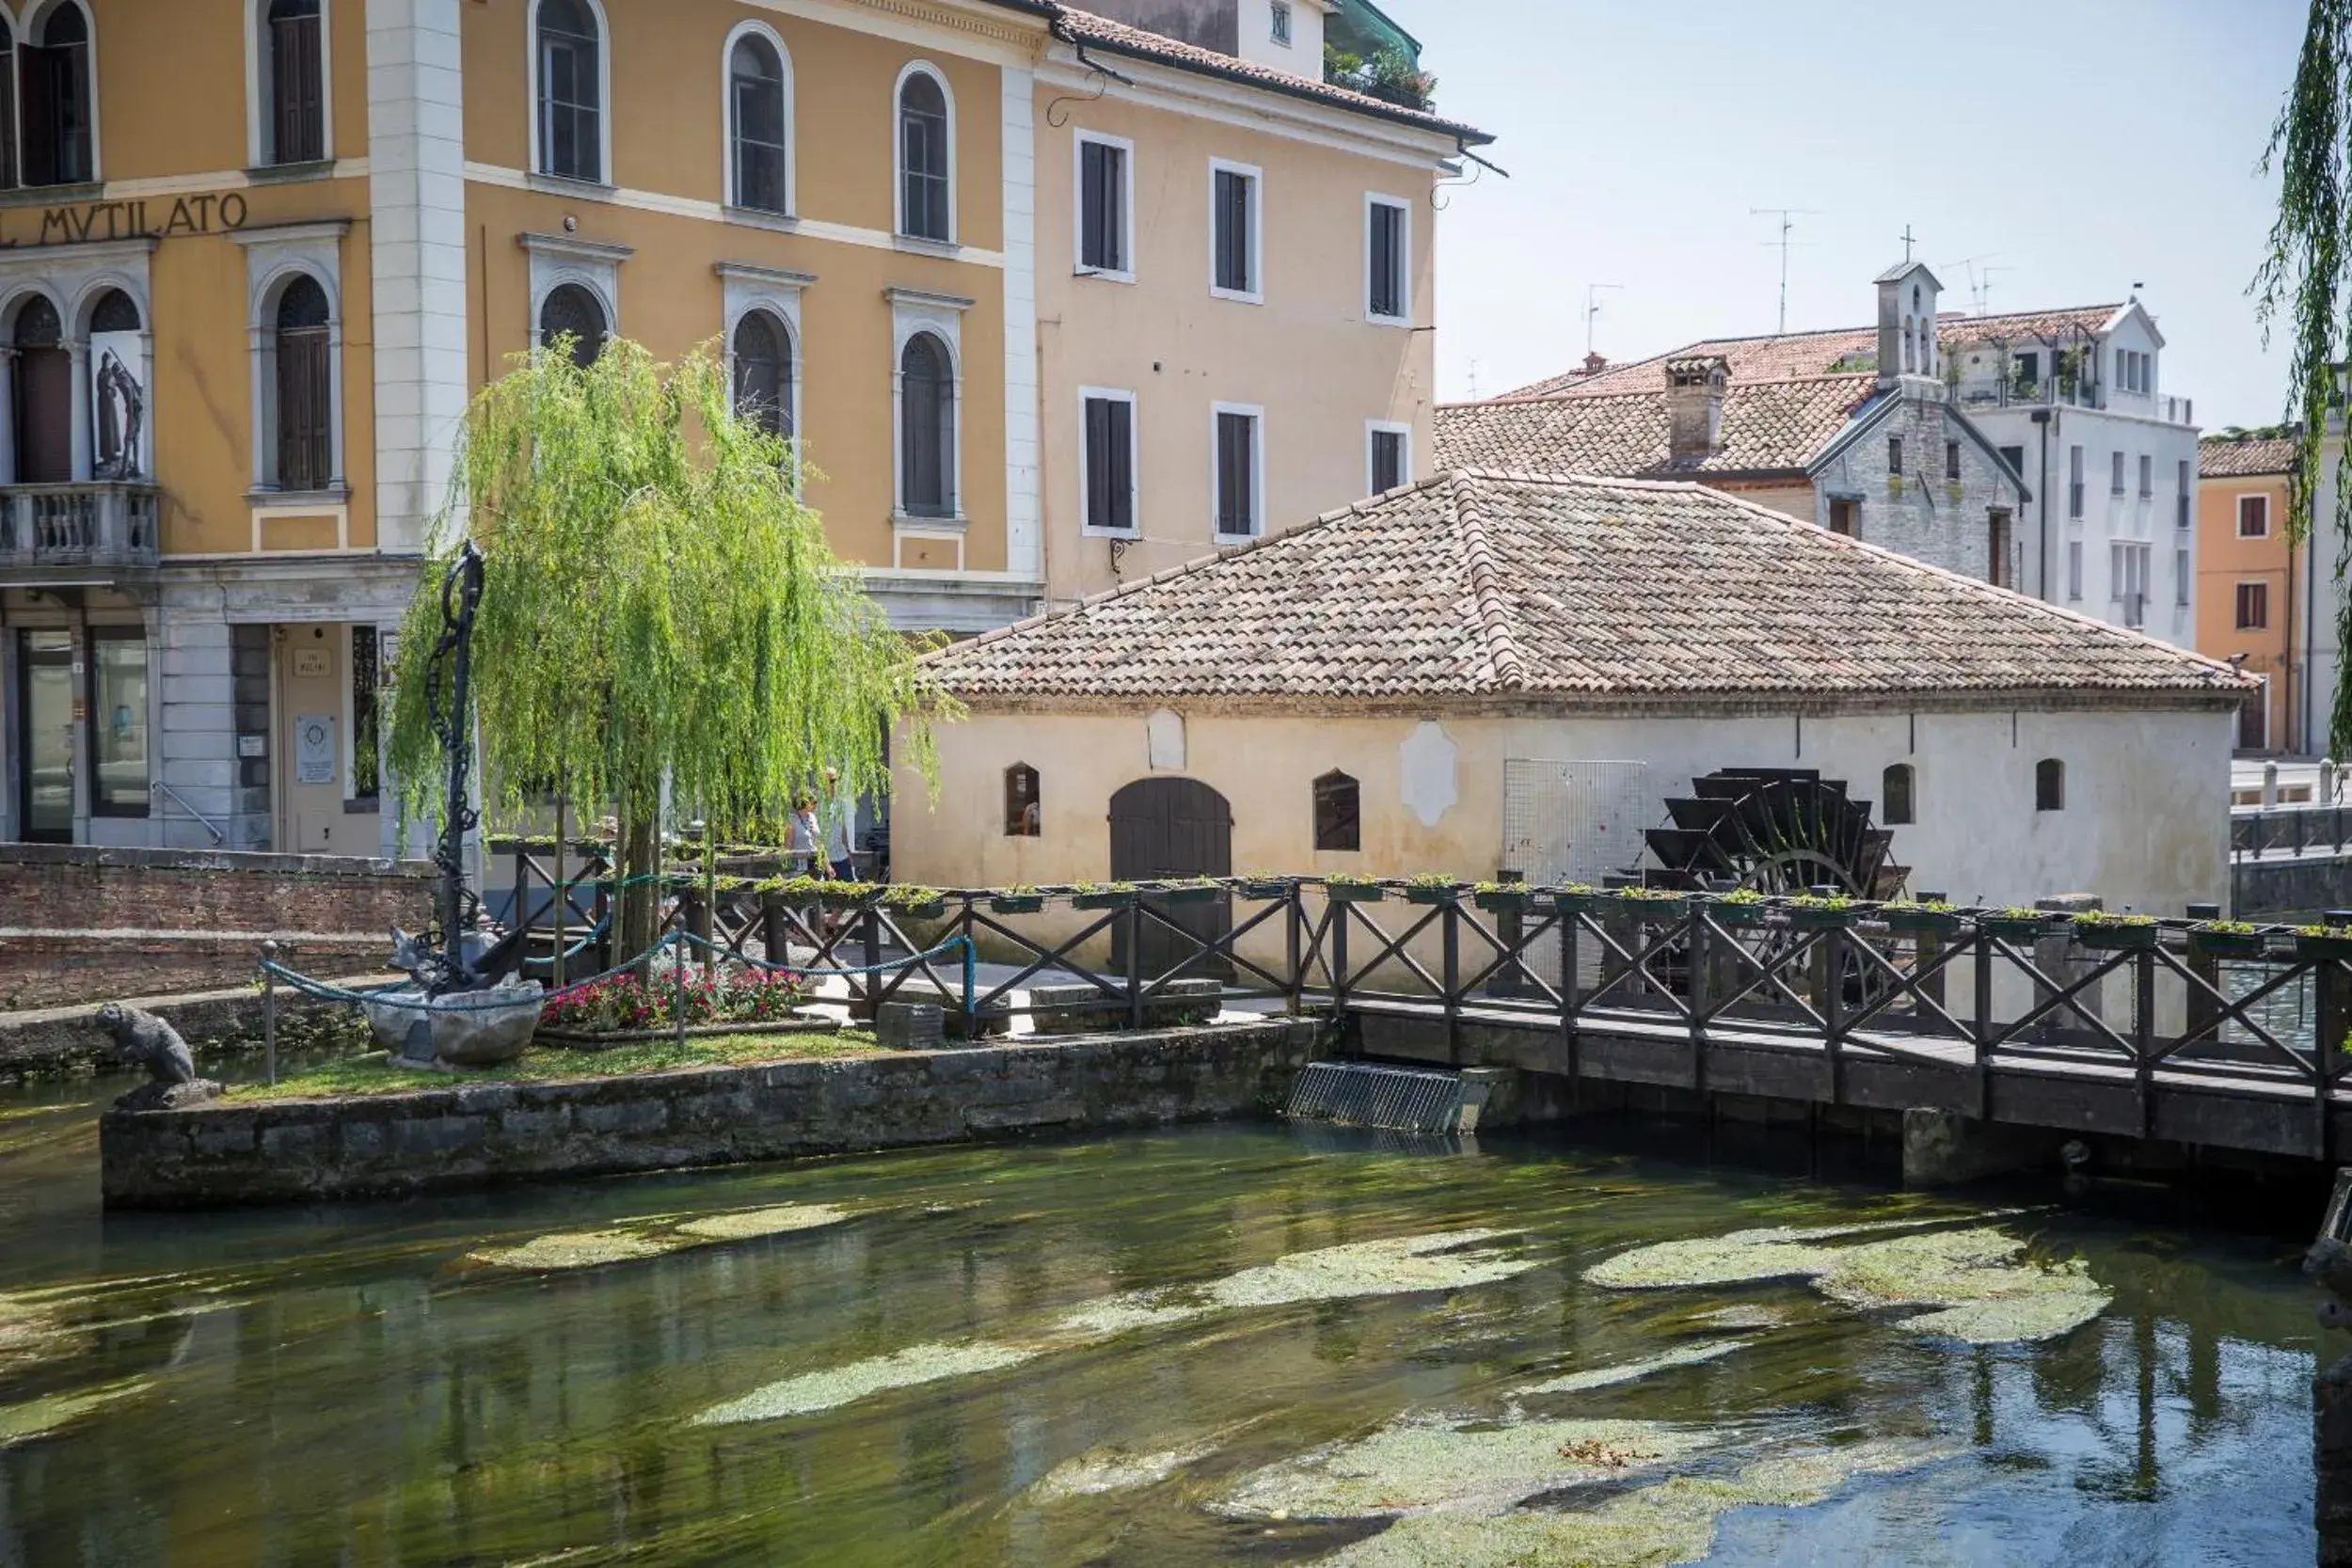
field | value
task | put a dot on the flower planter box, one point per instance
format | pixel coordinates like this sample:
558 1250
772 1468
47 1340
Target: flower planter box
2227 944
2010 928
1354 892
1018 903
1806 918
1647 909
930 909
2322 947
2115 936
1507 901
1263 893
1101 900
1192 892
1745 912
610 1039
1923 922
1432 895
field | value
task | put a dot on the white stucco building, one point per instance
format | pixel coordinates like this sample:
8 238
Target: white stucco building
1490 673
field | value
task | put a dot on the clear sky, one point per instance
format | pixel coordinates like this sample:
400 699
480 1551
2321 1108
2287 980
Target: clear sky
2075 147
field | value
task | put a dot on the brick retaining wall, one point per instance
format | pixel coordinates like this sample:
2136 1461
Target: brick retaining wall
79 923
484 1133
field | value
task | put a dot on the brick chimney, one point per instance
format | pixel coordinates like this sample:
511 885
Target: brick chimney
1596 363
1694 406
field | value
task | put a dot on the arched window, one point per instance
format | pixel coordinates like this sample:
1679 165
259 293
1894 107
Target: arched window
2049 785
1022 809
757 111
1896 807
927 428
1338 819
294 117
304 388
52 82
9 163
571 91
45 396
925 156
763 372
118 361
572 311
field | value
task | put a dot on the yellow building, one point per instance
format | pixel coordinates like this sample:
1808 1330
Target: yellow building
255 255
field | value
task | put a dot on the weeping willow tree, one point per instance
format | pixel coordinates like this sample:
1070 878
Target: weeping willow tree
660 617
2304 277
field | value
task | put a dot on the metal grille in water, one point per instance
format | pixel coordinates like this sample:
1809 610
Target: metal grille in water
1357 1094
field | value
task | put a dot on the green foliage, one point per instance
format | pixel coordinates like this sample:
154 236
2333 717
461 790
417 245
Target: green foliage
2305 273
1742 895
1388 76
2229 928
657 604
2101 917
1811 901
1431 880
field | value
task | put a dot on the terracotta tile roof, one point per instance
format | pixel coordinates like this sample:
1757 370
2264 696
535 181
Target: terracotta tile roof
1519 592
1796 353
1101 32
1768 426
2218 457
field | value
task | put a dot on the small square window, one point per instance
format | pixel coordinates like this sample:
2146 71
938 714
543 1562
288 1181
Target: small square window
1390 459
1388 241
1280 22
1104 168
1023 818
2253 516
1894 454
1951 460
1339 816
2253 606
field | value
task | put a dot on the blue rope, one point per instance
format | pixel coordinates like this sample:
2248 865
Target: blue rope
327 993
971 964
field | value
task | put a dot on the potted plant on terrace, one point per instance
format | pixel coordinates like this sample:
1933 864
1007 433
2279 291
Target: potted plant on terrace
1811 911
1352 890
914 903
1192 890
1742 906
2116 933
1100 895
2226 939
2322 942
1431 888
1262 888
2014 924
1580 898
1931 918
1017 900
1503 897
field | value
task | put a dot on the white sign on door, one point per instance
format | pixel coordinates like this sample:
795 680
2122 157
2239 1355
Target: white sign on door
314 749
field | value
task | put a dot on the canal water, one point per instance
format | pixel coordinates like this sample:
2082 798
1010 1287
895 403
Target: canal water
1227 1344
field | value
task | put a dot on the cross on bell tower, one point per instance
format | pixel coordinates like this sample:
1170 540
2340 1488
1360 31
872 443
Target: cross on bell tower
1907 242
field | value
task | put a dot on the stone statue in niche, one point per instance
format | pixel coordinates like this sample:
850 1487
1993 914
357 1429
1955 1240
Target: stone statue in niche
121 410
142 1039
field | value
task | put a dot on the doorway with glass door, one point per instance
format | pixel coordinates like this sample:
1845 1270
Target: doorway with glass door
44 736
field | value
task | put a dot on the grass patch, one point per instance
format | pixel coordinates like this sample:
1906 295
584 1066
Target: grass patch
372 1073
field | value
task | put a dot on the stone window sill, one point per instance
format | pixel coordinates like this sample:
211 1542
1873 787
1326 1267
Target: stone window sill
334 495
759 217
921 247
280 174
563 184
53 196
956 524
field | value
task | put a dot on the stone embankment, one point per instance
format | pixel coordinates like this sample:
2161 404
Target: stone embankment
484 1133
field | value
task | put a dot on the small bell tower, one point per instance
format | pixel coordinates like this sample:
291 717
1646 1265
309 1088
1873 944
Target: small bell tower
1907 342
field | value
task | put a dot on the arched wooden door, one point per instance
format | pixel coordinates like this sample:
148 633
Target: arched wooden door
1169 827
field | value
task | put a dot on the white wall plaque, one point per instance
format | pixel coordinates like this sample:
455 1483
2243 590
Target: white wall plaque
314 749
1426 762
1165 734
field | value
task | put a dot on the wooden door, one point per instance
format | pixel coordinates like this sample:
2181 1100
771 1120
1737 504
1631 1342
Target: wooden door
1169 827
44 416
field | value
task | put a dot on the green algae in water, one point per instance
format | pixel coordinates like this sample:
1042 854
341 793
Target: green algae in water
573 1249
1425 1462
1983 1287
1672 1522
1101 1471
828 1390
749 1224
1630 1372
33 1418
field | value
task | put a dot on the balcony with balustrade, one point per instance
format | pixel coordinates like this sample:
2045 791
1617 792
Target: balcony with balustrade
99 528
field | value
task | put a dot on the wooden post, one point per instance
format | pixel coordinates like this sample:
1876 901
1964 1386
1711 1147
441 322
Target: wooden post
269 1007
2332 985
1981 1030
1929 947
775 940
1337 914
1450 935
2204 1011
1293 940
1134 914
2144 1035
1700 958
1833 969
868 984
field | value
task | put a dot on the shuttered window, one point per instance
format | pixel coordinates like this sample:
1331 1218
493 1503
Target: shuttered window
927 429
1386 236
1111 469
298 96
1102 207
1236 474
1388 461
1234 200
305 394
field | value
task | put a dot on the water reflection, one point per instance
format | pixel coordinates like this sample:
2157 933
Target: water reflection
337 1385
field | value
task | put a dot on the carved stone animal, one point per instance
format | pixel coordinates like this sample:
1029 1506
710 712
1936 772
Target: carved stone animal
142 1039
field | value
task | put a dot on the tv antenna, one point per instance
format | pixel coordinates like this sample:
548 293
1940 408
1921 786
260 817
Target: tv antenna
1592 310
1980 280
1788 217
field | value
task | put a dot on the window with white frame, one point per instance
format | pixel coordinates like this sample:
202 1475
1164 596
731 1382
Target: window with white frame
292 72
2115 477
1238 457
1106 173
296 329
1233 237
304 384
2073 568
2128 581
2180 579
2182 492
54 114
1388 261
1278 21
2253 606
2253 516
2146 476
1107 460
926 156
568 57
927 428
1389 452
759 122
762 351
2075 481
573 315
